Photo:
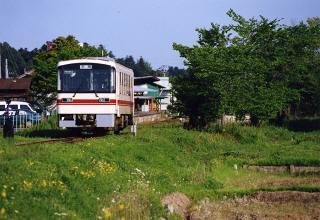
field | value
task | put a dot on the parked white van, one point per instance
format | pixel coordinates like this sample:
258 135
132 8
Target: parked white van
23 108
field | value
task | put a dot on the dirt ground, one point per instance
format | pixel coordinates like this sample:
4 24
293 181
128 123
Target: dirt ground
289 181
262 205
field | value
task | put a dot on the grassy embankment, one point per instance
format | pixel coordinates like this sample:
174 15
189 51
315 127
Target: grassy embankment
125 176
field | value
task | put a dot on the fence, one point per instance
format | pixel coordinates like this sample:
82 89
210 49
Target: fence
21 121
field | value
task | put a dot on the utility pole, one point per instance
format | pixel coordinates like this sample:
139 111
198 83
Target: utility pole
6 71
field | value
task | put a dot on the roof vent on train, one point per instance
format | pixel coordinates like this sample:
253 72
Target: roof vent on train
100 58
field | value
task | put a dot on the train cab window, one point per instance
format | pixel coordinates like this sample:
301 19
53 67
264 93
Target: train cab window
85 78
75 80
102 81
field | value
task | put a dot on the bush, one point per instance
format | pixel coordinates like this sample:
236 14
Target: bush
47 128
243 134
311 124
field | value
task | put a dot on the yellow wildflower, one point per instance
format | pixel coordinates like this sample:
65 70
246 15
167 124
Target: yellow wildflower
105 166
106 212
4 194
44 183
87 173
2 211
29 162
121 206
27 185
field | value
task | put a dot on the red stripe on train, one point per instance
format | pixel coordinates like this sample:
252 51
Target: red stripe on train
94 102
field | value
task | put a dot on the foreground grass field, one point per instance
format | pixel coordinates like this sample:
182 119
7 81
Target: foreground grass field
124 177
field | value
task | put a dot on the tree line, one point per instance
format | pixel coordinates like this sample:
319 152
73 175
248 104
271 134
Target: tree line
252 67
19 61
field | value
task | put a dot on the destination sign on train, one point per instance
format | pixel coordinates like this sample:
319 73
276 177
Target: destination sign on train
85 67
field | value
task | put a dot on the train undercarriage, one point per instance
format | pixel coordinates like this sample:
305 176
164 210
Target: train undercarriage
106 122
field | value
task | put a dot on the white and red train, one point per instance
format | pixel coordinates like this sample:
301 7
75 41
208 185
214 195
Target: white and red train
94 92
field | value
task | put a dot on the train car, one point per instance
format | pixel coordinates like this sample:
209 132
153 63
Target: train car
94 92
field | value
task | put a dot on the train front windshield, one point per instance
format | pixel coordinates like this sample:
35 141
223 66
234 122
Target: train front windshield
86 78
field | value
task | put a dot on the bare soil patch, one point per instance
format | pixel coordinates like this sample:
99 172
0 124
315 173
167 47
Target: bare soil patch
262 205
284 168
178 203
289 181
281 197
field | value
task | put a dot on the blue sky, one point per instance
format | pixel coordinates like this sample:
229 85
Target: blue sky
144 28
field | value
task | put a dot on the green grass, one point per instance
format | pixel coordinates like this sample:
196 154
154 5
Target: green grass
96 177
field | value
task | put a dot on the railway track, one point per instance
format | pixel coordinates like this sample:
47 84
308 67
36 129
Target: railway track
60 140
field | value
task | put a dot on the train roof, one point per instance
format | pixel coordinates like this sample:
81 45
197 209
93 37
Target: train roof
98 60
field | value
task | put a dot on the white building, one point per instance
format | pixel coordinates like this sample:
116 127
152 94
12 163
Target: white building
165 92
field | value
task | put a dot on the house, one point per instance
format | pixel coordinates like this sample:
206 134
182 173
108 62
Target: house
15 89
147 94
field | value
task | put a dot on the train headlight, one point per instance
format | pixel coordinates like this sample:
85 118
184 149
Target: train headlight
67 100
104 100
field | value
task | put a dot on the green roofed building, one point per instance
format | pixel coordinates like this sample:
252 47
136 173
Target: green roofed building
147 96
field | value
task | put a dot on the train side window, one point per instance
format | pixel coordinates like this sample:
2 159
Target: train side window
126 86
130 85
120 83
123 85
126 91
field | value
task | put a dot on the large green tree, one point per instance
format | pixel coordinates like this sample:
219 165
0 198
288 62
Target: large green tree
245 68
45 64
304 64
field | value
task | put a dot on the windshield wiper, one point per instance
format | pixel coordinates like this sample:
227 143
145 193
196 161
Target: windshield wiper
74 94
95 92
78 89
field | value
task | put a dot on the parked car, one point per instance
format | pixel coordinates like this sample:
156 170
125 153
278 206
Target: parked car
22 113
